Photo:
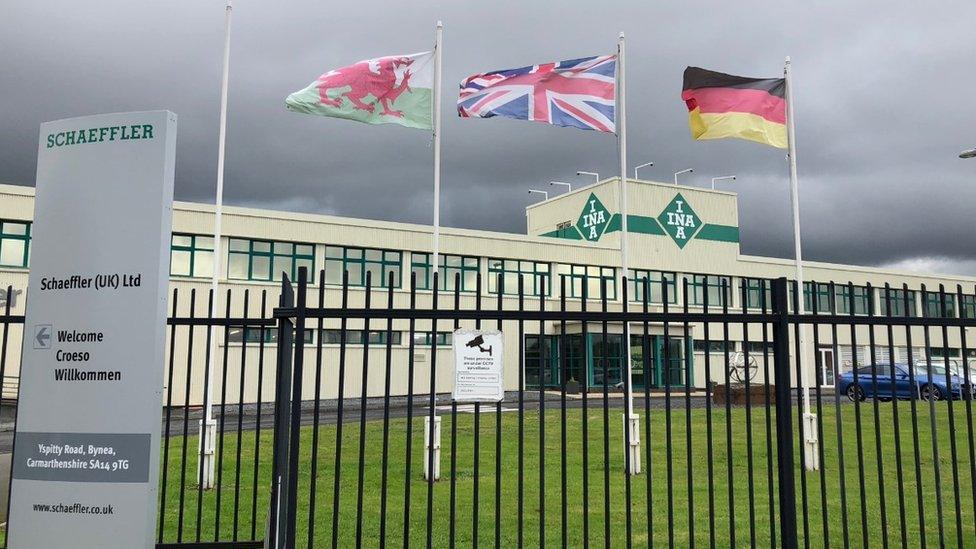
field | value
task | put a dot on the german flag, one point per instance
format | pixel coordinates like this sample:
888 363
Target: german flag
722 105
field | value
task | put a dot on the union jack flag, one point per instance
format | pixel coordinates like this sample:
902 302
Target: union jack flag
579 93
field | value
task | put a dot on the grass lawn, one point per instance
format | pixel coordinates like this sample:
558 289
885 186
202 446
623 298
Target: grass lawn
740 504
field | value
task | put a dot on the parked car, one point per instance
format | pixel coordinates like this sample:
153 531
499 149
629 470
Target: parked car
901 384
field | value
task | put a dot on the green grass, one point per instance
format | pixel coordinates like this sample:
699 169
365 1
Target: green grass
595 494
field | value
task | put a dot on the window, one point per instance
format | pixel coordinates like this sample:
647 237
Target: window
718 288
967 306
251 334
933 304
535 277
423 338
756 347
191 255
656 282
819 291
758 293
578 276
450 266
714 347
14 243
359 261
897 298
356 337
861 298
266 260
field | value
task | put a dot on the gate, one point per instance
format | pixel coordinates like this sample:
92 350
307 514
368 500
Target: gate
327 407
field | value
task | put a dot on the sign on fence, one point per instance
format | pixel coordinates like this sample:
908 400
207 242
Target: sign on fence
478 366
86 454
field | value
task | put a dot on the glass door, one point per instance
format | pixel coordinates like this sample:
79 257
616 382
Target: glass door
827 363
606 359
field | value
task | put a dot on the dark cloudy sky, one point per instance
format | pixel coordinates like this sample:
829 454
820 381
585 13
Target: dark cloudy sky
883 90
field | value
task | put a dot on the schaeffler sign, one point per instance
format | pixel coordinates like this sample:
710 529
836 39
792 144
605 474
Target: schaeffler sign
86 454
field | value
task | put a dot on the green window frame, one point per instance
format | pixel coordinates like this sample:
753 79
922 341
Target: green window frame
589 275
14 243
821 292
450 265
249 334
536 276
713 284
932 305
656 282
191 255
967 306
359 261
265 260
861 297
897 299
331 336
758 293
422 339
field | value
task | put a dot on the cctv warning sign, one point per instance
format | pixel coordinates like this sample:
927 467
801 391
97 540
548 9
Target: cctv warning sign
478 366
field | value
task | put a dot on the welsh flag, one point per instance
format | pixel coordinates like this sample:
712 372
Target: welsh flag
397 89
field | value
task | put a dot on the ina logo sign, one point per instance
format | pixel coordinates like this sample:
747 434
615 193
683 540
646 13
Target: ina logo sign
680 221
594 219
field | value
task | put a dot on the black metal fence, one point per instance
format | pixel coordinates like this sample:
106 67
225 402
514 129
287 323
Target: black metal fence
320 402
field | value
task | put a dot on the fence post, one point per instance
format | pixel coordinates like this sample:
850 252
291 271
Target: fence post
277 517
784 417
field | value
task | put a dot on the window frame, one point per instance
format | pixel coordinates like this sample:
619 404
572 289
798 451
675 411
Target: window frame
271 254
635 286
933 298
25 238
821 291
446 280
385 265
897 297
192 249
536 277
584 277
700 281
757 291
861 296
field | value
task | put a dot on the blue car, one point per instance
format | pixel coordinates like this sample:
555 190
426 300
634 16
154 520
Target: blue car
901 386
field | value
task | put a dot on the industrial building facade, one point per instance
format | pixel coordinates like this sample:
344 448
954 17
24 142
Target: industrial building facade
677 234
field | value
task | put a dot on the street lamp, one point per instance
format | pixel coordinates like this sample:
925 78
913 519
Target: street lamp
644 165
569 187
724 177
970 153
594 174
676 174
543 193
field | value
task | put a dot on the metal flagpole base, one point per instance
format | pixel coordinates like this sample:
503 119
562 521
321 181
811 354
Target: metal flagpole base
205 468
811 442
634 450
437 448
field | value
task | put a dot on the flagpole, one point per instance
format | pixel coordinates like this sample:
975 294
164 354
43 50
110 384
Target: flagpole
434 467
630 421
206 464
811 455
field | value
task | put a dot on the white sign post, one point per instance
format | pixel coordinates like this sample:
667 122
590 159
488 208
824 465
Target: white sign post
478 366
86 452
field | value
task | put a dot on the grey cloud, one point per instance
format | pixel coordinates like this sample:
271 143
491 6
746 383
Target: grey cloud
881 94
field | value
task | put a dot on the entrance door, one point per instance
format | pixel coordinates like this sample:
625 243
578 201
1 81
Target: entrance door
671 367
827 363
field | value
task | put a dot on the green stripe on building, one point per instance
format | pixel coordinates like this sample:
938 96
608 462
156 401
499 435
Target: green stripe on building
636 224
718 233
569 233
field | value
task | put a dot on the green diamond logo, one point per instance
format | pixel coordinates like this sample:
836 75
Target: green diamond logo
594 219
679 220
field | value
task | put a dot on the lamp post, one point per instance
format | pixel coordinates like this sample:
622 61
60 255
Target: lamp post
569 187
644 165
969 153
676 174
594 174
543 193
724 177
